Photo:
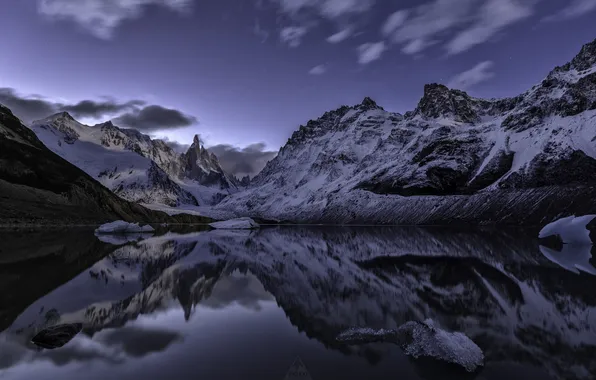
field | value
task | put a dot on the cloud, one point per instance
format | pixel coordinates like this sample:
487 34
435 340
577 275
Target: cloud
458 24
152 118
137 341
394 21
494 16
27 108
340 36
370 52
94 109
573 9
34 107
292 35
102 17
429 20
242 161
477 74
305 14
318 70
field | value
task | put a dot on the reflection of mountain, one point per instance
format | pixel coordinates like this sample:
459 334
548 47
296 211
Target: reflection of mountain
497 288
34 263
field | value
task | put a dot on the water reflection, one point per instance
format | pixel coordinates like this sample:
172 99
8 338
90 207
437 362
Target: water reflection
238 304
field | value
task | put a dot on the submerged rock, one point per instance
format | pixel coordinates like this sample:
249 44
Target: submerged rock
56 336
236 224
423 340
122 227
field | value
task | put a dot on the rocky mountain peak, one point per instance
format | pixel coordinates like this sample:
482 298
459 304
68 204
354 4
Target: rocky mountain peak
439 101
61 116
586 58
368 104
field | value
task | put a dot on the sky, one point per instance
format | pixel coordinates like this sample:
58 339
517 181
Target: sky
244 74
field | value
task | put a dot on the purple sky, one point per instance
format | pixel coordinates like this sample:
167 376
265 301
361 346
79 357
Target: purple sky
252 71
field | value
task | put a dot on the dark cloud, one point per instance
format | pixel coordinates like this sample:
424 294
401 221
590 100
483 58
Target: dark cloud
154 117
241 162
27 108
138 342
94 109
131 114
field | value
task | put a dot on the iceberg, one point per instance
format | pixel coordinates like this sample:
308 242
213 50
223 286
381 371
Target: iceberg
236 224
122 227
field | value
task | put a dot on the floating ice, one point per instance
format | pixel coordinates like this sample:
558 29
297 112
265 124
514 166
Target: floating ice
236 224
122 227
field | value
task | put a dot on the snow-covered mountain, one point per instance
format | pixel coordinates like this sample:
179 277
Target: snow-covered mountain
37 186
526 159
133 165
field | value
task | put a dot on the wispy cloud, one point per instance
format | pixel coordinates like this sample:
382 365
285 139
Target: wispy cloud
292 35
370 52
394 21
102 17
494 16
340 36
458 25
469 78
308 13
318 70
573 9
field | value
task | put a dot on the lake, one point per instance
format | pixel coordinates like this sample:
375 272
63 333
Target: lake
249 304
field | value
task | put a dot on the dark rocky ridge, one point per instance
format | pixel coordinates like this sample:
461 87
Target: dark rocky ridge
39 187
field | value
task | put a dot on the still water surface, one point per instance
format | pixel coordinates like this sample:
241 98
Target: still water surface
246 304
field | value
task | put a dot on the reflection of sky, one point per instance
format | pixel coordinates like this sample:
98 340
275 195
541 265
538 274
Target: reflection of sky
239 332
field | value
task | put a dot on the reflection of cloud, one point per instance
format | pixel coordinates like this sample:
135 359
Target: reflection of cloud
112 346
137 341
245 290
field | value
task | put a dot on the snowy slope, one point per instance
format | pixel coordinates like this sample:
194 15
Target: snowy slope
129 163
452 150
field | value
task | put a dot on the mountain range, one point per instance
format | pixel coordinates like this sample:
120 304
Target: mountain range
521 160
136 167
524 160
